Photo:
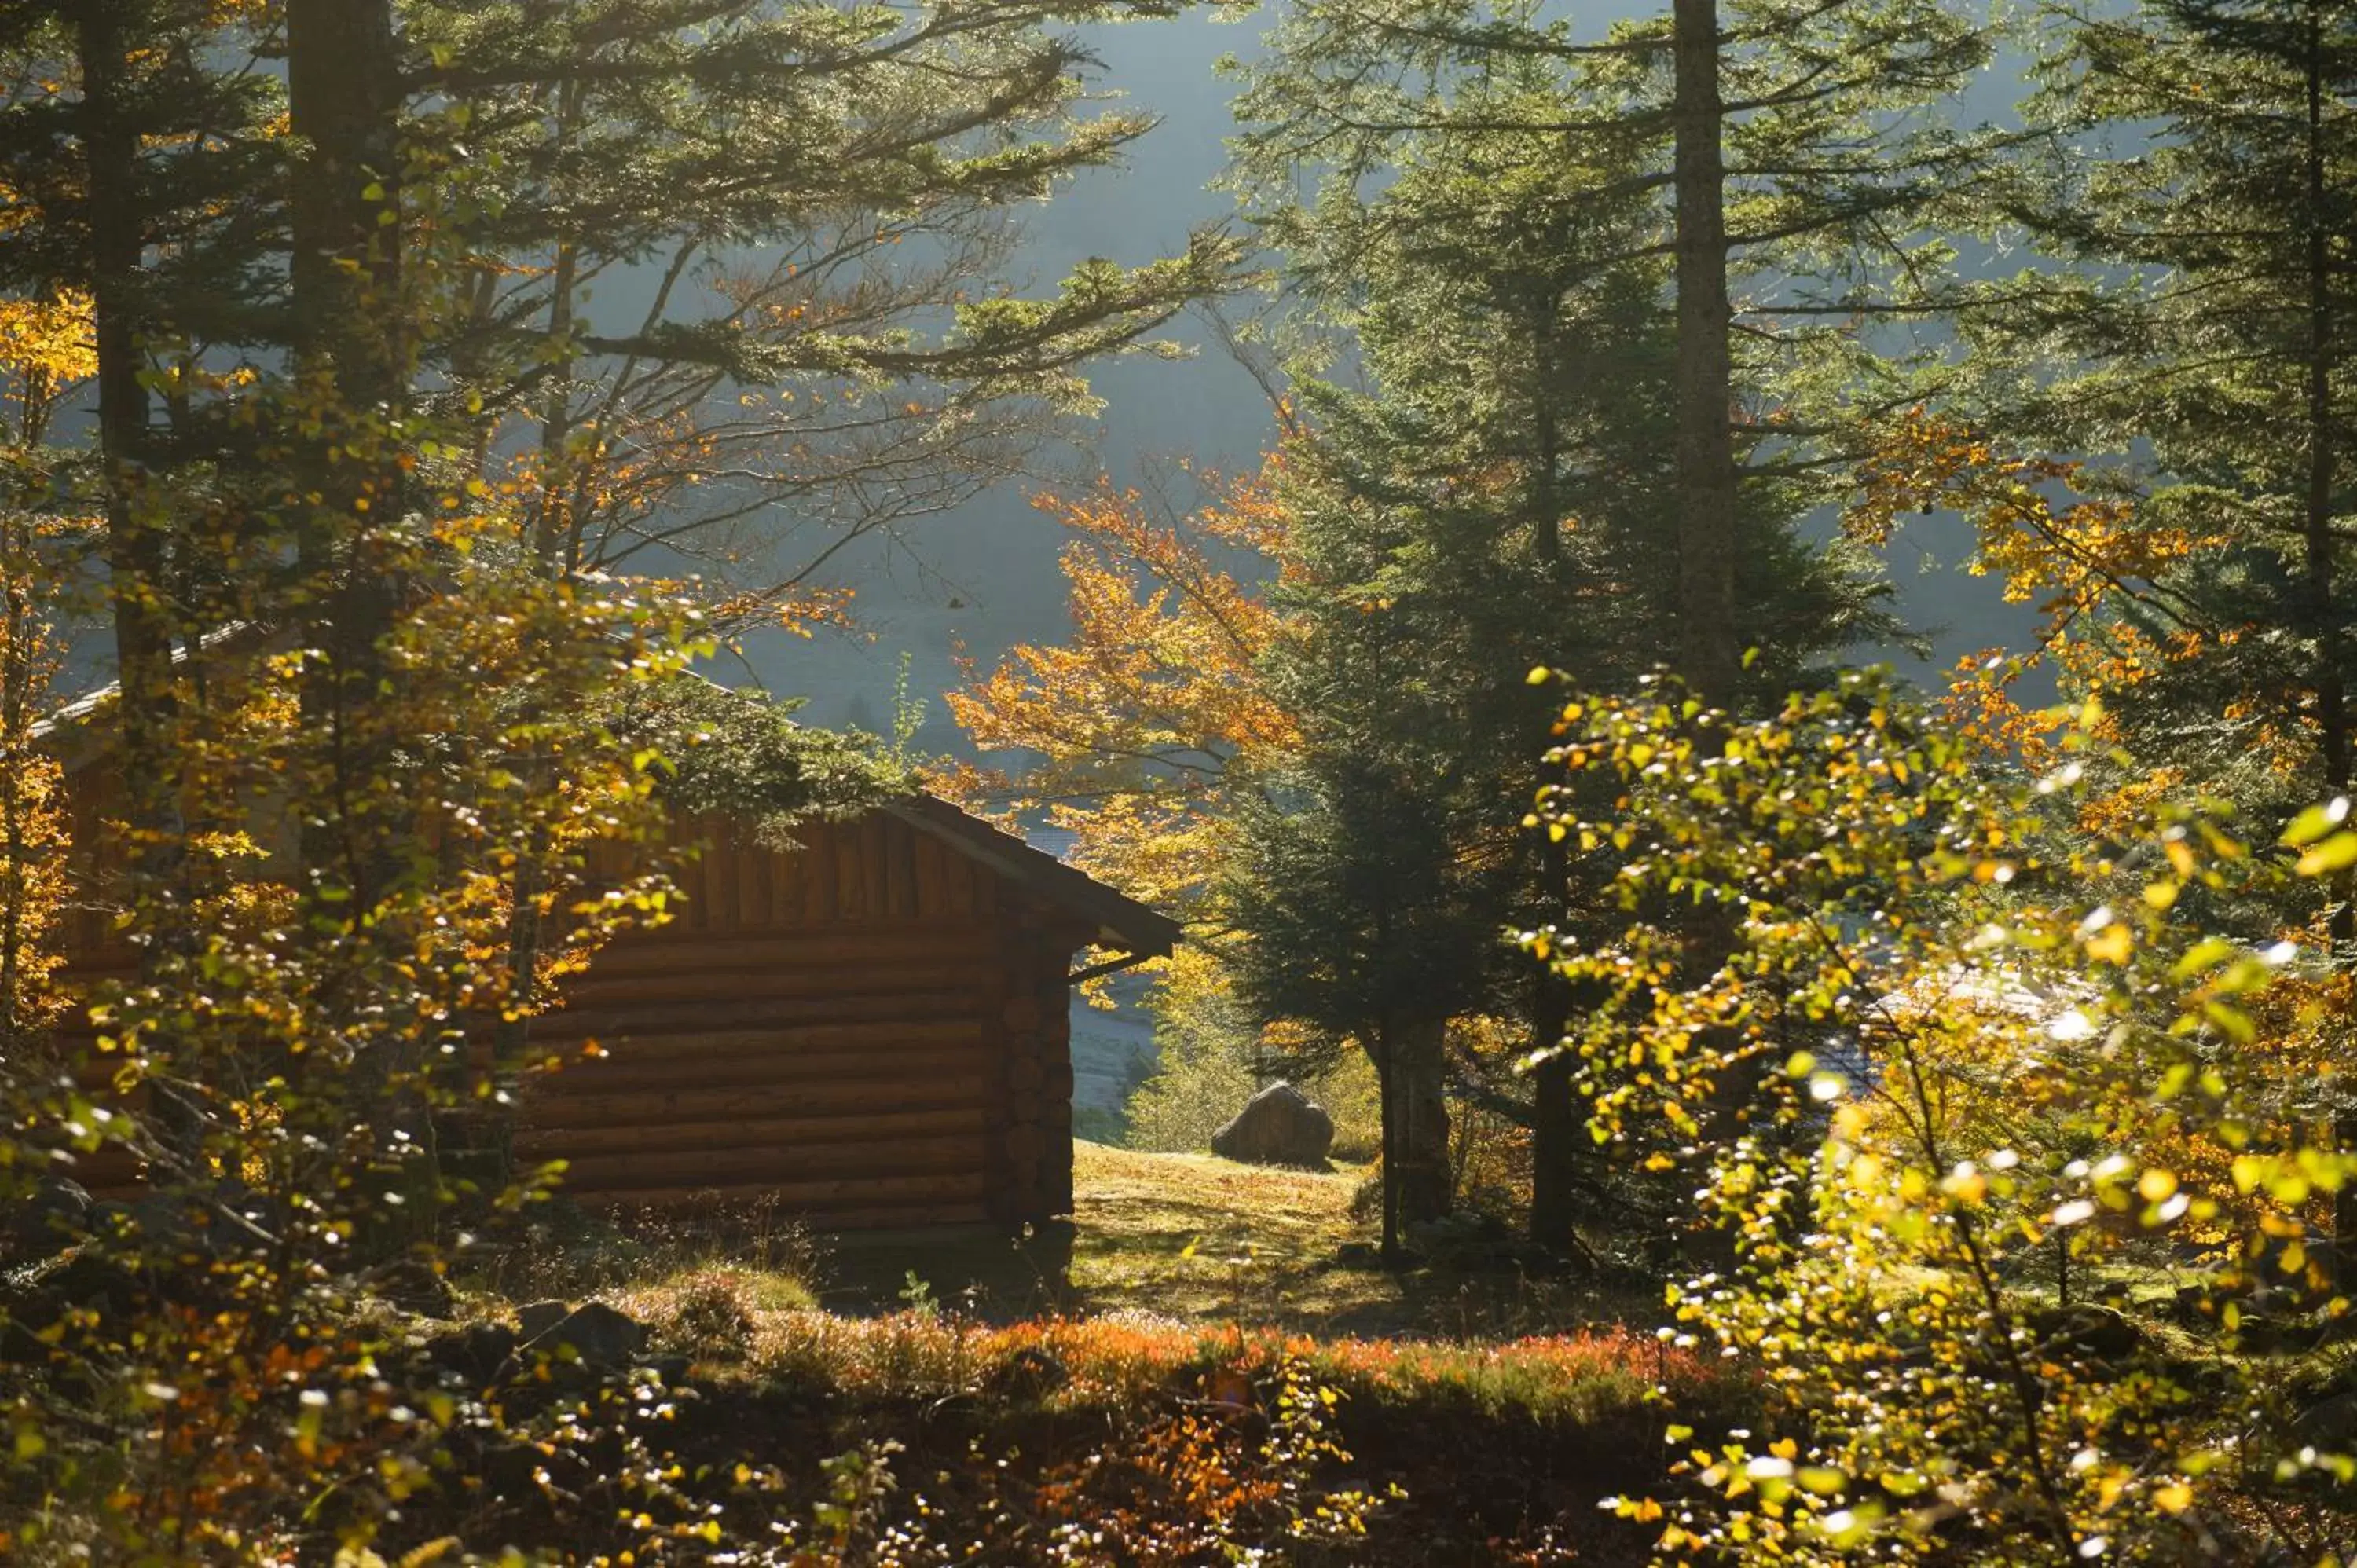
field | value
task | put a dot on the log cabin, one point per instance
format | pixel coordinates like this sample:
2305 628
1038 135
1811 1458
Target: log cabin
872 1031
868 1031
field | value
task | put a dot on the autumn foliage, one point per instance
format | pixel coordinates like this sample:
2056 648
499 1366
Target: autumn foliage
1153 711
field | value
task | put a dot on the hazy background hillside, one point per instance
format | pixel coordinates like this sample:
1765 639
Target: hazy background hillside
985 576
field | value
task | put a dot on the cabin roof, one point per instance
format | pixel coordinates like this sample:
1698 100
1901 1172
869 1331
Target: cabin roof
66 729
1121 921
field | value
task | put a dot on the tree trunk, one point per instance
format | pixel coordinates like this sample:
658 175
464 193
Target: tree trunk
1557 1129
343 97
1385 1091
1419 1114
1556 1122
1709 533
138 545
351 361
1708 657
138 536
2331 696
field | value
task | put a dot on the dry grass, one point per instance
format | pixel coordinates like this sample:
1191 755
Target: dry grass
1199 1290
1187 1239
1581 1377
1194 1236
1206 1239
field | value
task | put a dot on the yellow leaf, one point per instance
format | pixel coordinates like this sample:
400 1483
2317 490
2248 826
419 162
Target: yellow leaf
2316 821
2332 855
1822 1479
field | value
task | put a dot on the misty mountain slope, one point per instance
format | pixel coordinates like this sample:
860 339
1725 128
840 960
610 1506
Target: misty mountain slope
984 576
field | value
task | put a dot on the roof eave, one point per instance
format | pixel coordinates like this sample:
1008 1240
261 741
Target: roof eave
1121 921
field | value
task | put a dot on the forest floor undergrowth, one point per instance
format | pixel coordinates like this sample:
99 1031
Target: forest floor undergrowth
1487 1412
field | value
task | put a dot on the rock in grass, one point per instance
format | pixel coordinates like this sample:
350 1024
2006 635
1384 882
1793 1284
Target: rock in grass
418 1289
479 1352
1278 1126
536 1319
1030 1374
602 1336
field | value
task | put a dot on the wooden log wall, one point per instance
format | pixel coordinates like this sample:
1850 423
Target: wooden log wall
1037 1152
859 1032
870 1032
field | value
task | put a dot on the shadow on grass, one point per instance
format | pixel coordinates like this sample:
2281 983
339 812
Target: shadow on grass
979 1271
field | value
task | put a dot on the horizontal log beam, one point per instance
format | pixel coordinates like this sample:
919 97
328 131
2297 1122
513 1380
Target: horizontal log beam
576 1105
905 1217
887 1038
756 947
712 1016
880 1131
838 1193
644 1067
790 975
854 1162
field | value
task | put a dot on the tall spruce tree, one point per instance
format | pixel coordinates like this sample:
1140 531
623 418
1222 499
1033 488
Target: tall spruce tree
1800 154
2201 199
142 180
1516 474
1359 899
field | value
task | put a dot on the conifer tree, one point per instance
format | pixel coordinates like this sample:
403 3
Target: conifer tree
2199 315
1795 158
140 169
1508 492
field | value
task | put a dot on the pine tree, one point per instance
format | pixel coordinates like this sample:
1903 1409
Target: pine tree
1507 493
1357 901
139 170
1796 160
2198 323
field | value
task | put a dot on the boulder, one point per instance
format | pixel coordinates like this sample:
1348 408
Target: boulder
478 1352
417 1288
603 1337
2085 1331
1030 1374
1278 1126
536 1319
2329 1423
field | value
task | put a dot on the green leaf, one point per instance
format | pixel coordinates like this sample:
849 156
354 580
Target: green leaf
2204 955
2332 855
1822 1479
2317 820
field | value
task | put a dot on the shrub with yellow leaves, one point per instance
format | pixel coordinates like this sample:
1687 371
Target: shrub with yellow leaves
1973 1100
